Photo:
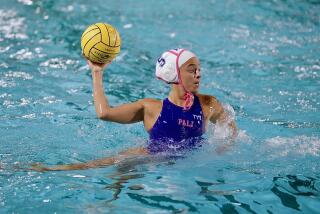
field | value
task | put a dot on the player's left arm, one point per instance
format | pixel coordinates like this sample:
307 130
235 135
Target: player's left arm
220 117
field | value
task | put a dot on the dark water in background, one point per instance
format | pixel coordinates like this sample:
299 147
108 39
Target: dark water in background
262 58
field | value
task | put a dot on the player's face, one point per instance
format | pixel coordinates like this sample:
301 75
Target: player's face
190 74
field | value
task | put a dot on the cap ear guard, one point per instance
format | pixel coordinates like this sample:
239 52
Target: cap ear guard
165 69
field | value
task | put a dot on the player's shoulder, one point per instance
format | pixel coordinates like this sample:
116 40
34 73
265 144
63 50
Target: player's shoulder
150 102
152 107
207 100
210 105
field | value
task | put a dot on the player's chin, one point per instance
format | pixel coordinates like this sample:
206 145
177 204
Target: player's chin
195 88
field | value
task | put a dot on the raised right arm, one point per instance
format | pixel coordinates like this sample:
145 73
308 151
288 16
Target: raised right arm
126 113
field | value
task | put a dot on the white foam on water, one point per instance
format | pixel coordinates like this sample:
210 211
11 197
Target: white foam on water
221 136
4 49
26 2
305 72
120 56
78 176
25 101
22 54
59 63
29 116
5 95
6 84
67 9
172 35
12 26
298 145
18 74
127 26
221 131
8 103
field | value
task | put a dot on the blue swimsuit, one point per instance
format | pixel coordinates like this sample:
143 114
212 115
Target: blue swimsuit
177 129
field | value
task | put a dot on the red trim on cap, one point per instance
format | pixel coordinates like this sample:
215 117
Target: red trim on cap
188 96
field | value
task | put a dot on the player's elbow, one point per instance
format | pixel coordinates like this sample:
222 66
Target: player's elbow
102 115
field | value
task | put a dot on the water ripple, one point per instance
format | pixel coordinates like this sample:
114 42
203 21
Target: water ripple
59 63
18 74
11 78
12 26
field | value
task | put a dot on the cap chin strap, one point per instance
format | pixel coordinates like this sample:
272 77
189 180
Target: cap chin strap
188 97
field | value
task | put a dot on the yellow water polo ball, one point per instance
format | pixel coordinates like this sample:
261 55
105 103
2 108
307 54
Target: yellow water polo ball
100 43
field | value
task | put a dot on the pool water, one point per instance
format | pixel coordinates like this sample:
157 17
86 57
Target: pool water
260 57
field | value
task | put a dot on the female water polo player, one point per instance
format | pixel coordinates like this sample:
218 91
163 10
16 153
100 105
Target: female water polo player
174 124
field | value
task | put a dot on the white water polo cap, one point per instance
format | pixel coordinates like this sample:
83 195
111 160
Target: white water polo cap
168 64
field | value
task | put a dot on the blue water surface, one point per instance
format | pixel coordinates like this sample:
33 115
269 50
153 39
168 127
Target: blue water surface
260 57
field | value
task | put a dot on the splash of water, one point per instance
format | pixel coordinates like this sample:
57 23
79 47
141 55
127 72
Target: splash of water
222 132
298 145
